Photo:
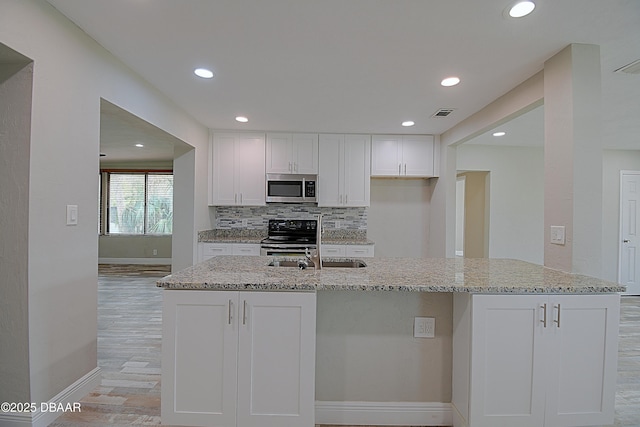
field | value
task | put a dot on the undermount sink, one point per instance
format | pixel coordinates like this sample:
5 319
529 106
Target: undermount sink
346 263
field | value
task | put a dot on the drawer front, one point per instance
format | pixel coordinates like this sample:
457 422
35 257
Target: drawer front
246 249
215 249
359 251
333 250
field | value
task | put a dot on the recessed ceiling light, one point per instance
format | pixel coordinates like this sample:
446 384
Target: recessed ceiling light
139 145
408 123
522 8
499 133
242 119
204 73
450 81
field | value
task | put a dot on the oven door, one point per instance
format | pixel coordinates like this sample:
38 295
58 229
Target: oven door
284 250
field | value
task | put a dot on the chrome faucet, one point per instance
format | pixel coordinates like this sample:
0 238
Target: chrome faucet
315 256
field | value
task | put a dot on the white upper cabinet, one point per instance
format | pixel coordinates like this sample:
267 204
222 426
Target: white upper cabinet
237 169
410 156
292 153
344 170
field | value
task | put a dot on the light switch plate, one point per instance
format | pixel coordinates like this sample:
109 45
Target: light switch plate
72 214
557 234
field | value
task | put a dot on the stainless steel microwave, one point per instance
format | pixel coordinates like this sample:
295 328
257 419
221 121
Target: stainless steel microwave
284 188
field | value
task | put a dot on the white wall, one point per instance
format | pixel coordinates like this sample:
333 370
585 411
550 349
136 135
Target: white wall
71 74
613 162
516 212
399 217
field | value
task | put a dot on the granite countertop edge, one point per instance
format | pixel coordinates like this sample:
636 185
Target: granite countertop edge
233 273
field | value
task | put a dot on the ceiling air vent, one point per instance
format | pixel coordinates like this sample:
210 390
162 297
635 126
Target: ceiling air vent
633 68
443 112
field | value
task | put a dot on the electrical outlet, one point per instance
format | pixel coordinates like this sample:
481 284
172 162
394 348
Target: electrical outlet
244 222
424 327
557 235
155 252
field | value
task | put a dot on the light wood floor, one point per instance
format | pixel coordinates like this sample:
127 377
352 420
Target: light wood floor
129 339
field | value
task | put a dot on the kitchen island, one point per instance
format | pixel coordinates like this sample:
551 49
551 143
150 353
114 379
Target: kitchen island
515 344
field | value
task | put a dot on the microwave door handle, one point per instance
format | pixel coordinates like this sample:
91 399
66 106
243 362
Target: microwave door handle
304 189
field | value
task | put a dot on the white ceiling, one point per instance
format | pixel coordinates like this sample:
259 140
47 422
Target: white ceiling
120 131
361 65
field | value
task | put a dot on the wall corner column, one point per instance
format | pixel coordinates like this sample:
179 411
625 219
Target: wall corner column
573 159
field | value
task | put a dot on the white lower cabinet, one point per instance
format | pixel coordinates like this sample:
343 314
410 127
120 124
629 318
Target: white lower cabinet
534 360
244 359
365 251
209 250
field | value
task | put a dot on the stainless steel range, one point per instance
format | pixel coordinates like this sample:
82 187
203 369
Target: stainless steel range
289 237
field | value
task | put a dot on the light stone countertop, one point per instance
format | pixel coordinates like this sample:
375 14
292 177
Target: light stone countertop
387 274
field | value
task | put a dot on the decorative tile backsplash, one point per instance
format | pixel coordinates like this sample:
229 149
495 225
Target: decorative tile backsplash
257 217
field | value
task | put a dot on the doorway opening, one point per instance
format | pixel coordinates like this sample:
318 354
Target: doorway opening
472 214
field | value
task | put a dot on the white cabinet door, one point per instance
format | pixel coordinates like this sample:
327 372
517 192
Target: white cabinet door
417 155
536 360
238 358
278 153
344 170
357 170
403 156
584 335
507 367
305 153
250 173
292 153
276 366
386 155
199 358
237 169
222 170
331 170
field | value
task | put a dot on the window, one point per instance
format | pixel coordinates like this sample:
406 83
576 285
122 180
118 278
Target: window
137 202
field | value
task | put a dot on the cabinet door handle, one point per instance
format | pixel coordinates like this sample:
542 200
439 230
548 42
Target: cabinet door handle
230 309
399 168
240 198
295 166
544 314
235 197
557 321
346 199
405 168
244 312
290 167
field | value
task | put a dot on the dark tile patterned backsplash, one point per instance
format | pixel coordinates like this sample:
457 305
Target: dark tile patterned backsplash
257 217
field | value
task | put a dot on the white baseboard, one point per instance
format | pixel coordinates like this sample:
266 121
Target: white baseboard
70 395
141 261
384 413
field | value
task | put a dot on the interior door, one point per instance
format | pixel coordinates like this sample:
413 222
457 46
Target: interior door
629 258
